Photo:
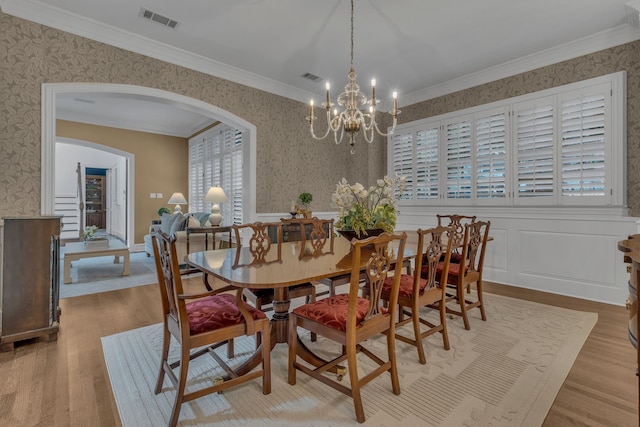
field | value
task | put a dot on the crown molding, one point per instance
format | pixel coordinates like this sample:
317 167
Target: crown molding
53 17
604 40
44 14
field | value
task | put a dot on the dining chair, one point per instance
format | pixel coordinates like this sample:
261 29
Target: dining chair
456 223
260 243
351 319
316 237
201 323
416 292
468 271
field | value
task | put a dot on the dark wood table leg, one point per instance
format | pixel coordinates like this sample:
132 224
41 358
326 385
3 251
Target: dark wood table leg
279 335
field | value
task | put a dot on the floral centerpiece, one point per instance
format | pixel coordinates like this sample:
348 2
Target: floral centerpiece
362 210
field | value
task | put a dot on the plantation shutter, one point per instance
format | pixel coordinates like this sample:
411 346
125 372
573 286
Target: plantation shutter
427 170
491 160
216 160
535 149
458 138
402 149
583 150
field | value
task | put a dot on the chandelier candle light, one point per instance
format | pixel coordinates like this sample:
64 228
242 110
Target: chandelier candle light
351 120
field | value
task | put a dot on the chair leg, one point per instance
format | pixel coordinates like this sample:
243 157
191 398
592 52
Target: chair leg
463 306
415 317
166 340
266 357
182 381
310 299
355 382
479 291
230 349
391 350
443 322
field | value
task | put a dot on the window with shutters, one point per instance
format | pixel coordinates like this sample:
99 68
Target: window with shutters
561 146
215 159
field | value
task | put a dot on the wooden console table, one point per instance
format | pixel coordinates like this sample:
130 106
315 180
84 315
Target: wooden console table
206 231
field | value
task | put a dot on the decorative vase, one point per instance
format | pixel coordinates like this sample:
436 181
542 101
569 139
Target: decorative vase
350 234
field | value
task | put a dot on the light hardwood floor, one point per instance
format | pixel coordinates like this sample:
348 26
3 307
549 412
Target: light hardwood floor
65 383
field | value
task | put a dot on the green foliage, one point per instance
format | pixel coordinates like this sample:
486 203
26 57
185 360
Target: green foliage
163 210
305 198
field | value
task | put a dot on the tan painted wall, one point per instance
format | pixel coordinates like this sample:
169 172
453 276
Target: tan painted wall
161 165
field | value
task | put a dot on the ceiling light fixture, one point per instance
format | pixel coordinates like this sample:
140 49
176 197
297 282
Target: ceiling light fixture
352 120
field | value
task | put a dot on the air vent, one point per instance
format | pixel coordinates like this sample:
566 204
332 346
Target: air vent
160 19
311 77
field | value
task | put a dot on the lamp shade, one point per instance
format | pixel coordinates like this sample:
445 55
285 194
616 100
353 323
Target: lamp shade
215 195
178 199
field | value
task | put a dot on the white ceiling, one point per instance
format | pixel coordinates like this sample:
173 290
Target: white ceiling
420 48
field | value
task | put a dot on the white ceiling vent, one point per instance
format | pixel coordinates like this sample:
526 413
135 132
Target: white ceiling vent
160 19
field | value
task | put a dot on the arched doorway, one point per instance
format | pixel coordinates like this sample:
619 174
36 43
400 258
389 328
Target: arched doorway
49 92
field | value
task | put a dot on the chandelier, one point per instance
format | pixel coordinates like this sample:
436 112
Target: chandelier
351 120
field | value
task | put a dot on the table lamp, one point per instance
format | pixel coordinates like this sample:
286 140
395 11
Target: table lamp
215 195
178 199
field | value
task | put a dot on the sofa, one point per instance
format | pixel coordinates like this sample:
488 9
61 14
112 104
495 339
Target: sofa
176 224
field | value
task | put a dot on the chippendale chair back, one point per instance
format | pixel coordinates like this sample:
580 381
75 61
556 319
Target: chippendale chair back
457 223
417 292
351 319
260 245
469 271
201 323
317 237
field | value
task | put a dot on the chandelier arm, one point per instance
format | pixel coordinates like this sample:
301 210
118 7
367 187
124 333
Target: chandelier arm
393 128
335 136
326 132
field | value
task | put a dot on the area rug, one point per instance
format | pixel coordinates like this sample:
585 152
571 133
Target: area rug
503 372
100 274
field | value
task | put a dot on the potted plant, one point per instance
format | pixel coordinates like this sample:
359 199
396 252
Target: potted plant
305 199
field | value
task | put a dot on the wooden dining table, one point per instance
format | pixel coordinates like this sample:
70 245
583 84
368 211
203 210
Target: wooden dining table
284 265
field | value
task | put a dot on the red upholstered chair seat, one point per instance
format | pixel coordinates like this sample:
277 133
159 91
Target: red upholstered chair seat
406 285
215 312
454 271
332 311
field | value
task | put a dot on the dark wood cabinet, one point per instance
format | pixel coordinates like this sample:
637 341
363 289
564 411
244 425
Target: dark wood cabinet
30 279
95 201
631 250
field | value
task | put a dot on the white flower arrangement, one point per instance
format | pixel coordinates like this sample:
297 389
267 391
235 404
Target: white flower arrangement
362 209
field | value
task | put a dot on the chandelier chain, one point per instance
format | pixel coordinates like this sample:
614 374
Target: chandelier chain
351 33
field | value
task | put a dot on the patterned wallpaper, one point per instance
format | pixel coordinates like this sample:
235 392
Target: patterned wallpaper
289 161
